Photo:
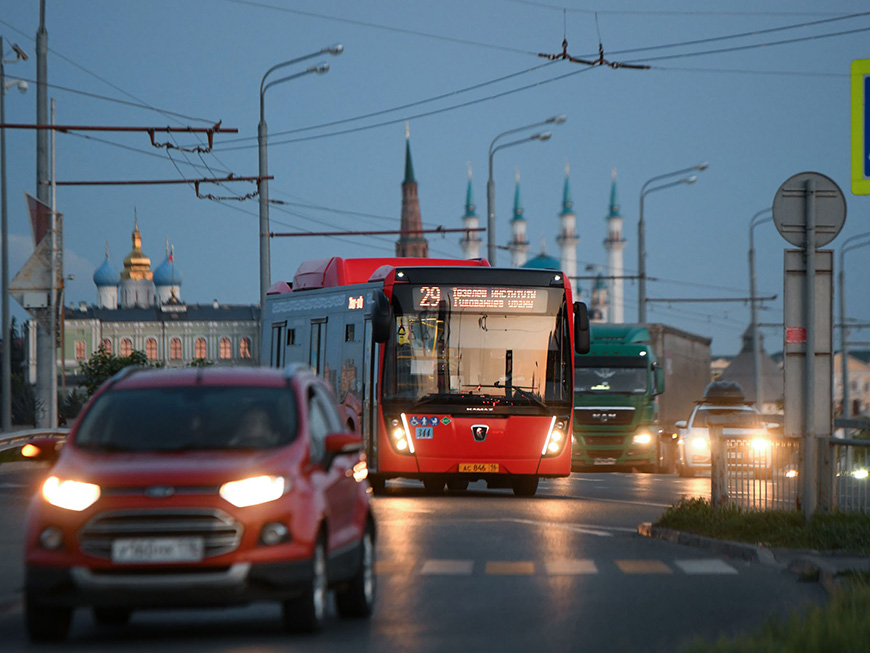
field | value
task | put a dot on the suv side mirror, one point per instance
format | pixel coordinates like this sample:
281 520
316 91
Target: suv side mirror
582 337
681 424
340 443
380 314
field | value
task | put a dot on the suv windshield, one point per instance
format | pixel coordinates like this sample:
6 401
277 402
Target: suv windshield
189 419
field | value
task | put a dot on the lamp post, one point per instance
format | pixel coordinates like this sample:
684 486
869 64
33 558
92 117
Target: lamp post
265 256
641 232
844 347
490 184
6 372
757 219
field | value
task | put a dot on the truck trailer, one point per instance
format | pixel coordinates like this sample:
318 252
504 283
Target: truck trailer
632 387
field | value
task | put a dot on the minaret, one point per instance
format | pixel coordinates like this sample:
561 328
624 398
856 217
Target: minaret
614 244
568 238
137 287
411 244
598 310
470 243
519 244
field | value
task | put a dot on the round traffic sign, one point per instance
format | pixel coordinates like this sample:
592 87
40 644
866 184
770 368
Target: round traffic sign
790 208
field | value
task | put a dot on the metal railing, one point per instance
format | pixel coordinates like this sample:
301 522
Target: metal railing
850 463
759 472
16 439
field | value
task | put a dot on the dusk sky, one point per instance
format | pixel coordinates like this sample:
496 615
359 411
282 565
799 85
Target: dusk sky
759 89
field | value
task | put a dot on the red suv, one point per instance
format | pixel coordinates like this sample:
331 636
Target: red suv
201 487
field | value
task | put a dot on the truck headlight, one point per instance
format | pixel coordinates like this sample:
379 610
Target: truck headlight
641 438
70 495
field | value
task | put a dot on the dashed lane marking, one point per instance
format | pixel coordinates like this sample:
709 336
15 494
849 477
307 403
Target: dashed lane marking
571 567
510 568
643 567
448 567
705 566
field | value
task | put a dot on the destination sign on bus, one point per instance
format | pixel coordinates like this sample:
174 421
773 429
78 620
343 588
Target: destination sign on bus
483 298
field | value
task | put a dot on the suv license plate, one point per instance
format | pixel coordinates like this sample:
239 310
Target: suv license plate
480 468
158 549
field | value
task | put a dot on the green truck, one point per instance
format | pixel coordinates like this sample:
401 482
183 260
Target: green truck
632 387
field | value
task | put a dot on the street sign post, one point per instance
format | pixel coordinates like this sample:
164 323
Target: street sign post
860 127
809 210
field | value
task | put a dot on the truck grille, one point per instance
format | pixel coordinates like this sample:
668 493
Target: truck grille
220 532
604 440
599 416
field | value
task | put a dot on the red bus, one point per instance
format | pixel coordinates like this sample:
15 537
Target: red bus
452 370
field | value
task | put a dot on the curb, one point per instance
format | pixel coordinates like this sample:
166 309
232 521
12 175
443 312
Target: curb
740 550
833 572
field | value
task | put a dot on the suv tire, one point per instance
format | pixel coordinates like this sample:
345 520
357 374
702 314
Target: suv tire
357 599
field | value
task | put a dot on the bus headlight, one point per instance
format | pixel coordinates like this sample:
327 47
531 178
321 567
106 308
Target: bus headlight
557 436
400 435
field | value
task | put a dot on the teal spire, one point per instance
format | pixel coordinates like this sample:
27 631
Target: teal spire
518 202
567 203
409 166
469 198
614 202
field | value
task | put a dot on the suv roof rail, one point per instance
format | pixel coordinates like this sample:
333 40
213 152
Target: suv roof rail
127 371
294 367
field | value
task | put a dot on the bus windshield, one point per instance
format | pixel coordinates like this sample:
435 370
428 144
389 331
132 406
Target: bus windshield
476 344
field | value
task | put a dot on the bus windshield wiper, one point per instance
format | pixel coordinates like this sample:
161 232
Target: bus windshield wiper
528 395
436 397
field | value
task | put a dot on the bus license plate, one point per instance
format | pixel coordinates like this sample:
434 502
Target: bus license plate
479 468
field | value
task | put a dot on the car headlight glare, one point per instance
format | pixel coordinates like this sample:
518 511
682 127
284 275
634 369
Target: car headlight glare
254 491
700 444
70 495
760 444
860 474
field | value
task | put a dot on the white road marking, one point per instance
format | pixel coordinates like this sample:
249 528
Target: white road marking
447 567
705 566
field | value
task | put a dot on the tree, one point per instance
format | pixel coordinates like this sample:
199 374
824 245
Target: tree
102 366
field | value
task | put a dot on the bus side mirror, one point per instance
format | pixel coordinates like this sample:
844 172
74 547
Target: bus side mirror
581 329
380 314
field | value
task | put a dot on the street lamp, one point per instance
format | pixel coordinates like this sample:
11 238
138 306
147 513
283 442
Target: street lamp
641 233
757 219
490 184
844 348
265 256
6 372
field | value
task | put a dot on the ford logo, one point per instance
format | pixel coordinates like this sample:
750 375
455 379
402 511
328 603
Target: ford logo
159 491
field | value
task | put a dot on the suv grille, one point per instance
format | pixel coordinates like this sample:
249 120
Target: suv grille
597 416
220 532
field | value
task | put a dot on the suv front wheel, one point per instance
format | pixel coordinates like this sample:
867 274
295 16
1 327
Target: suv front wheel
46 623
306 612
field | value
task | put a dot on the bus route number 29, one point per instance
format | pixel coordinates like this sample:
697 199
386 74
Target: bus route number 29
430 296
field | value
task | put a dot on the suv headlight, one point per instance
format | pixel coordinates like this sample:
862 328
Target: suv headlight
255 490
70 495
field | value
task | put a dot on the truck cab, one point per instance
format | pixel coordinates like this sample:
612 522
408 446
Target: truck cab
616 385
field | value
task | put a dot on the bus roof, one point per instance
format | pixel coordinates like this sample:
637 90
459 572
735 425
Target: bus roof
338 271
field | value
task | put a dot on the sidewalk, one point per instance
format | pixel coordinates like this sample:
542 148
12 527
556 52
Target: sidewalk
831 570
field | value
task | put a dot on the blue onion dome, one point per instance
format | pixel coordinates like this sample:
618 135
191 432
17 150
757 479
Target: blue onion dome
106 274
167 274
543 261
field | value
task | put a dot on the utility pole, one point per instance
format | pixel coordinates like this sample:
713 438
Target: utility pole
45 358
